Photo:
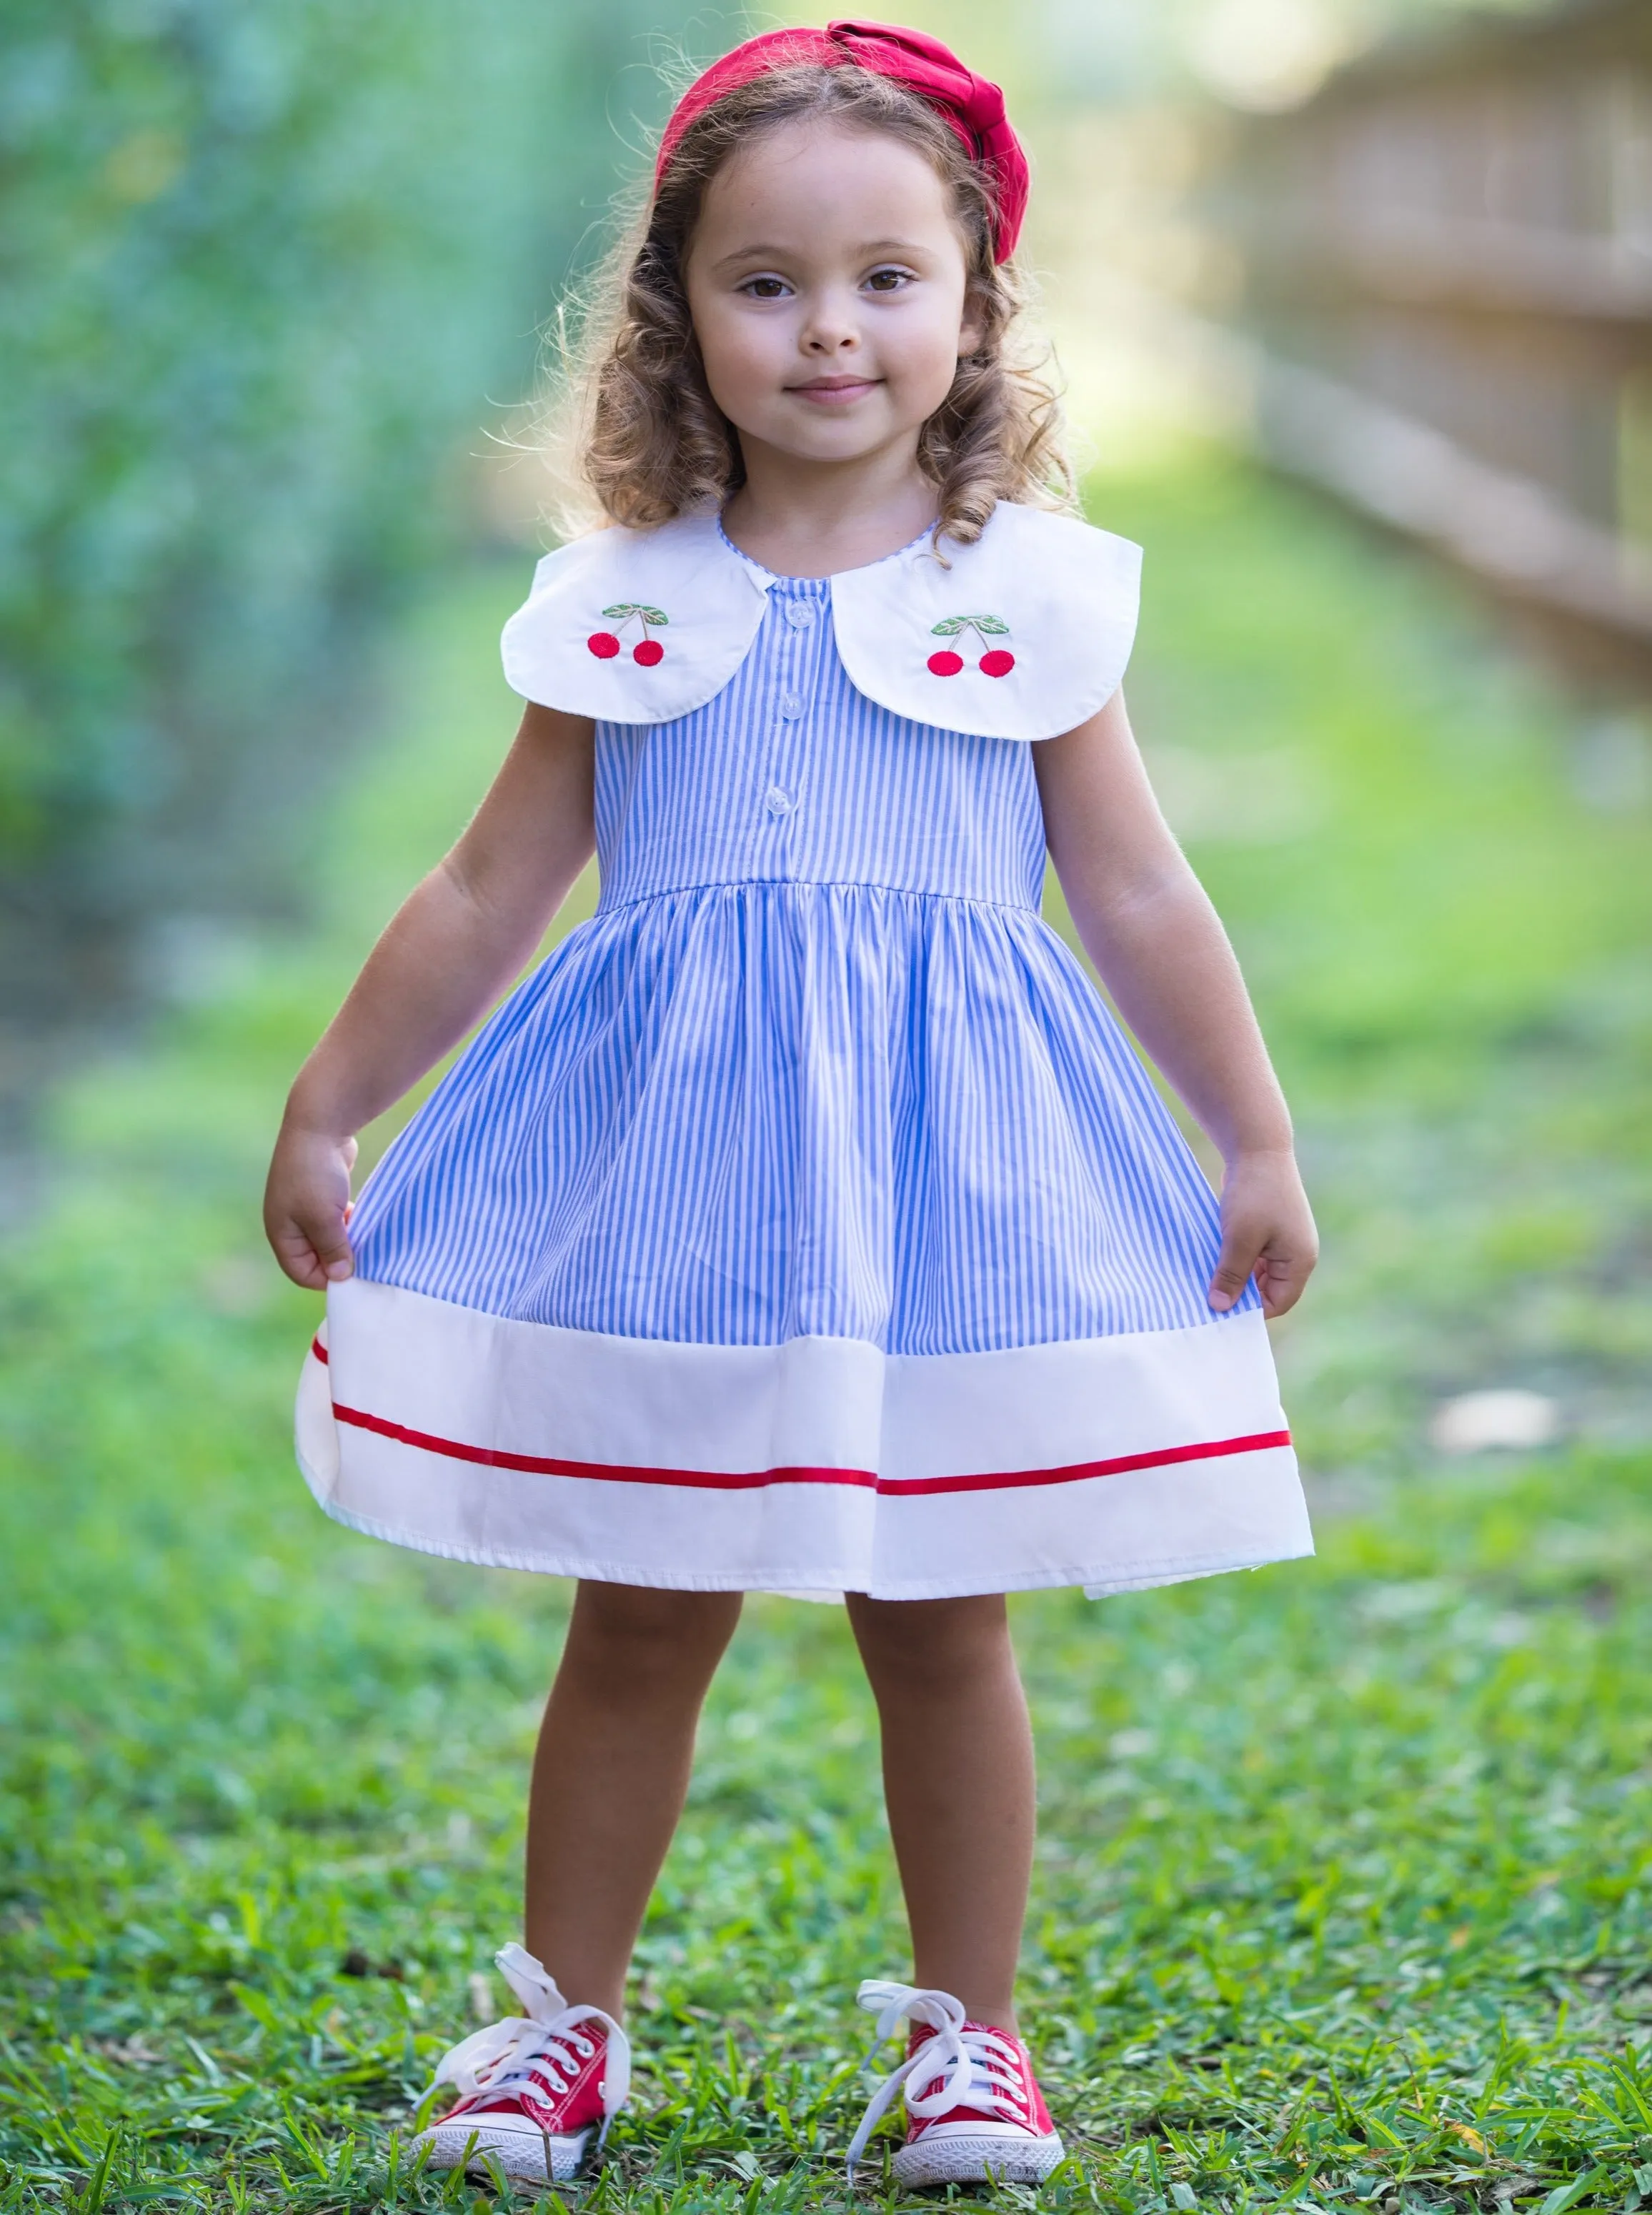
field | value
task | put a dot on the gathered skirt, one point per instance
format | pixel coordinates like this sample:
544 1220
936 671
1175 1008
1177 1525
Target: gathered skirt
799 1236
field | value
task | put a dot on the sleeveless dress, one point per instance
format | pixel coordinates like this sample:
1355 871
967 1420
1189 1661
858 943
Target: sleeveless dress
804 1222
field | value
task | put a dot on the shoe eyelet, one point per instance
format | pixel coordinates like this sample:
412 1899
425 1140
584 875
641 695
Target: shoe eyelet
584 2046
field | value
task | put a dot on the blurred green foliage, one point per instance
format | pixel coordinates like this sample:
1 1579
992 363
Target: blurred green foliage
264 264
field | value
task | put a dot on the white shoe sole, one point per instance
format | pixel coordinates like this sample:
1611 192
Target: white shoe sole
532 2156
987 2159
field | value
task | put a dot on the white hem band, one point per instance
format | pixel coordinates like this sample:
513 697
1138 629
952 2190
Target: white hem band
820 1465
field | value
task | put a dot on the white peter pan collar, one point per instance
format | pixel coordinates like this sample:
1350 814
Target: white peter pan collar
1046 603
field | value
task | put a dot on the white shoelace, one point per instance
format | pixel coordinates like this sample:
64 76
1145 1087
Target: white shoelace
981 2068
501 2060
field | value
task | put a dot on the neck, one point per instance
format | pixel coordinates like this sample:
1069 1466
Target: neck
803 519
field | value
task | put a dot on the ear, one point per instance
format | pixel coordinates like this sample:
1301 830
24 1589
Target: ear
972 330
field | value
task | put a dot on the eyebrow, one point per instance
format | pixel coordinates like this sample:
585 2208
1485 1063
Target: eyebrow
867 250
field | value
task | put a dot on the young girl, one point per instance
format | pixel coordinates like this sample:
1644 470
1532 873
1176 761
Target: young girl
804 1223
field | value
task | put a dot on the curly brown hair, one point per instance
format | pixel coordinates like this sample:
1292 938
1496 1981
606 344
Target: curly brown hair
651 443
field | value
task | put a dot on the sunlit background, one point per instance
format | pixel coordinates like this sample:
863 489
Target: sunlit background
1344 1896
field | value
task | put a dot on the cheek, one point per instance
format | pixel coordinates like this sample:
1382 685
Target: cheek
738 352
932 354
931 339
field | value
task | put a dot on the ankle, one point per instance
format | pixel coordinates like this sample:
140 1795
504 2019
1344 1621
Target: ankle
577 1989
984 2018
984 2001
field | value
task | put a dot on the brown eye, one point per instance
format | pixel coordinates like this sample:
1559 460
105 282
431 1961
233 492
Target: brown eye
887 280
765 288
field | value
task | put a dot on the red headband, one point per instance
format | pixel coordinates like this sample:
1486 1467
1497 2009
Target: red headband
971 104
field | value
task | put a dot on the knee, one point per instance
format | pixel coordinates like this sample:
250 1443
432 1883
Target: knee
931 1644
629 1637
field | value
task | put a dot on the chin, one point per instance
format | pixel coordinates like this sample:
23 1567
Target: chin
859 430
844 450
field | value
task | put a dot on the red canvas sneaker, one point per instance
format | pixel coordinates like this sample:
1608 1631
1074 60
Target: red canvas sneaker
535 2087
975 2113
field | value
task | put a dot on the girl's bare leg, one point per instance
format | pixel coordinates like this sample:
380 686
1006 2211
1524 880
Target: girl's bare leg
958 1782
610 1773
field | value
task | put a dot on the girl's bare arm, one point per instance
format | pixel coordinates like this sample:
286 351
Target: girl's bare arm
1146 922
452 948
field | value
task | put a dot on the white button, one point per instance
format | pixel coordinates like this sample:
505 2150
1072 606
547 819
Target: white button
799 613
779 801
791 705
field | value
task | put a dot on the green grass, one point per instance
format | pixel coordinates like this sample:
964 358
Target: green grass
1342 1889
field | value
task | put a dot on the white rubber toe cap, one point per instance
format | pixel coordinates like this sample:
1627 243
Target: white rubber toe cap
511 2140
978 2153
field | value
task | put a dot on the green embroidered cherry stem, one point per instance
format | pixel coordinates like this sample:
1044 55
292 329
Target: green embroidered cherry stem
950 627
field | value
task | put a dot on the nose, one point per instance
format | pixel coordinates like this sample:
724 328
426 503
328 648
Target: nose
830 327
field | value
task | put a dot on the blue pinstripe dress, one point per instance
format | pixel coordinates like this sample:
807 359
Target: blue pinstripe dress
804 1221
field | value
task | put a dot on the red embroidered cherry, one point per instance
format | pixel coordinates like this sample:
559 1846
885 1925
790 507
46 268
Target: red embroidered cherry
998 663
603 644
648 651
946 663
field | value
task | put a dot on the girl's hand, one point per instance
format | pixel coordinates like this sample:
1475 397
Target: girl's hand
1267 1232
307 1206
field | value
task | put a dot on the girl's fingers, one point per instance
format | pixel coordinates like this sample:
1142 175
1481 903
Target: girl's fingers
1268 1233
1239 1255
314 1257
307 1206
298 1259
329 1245
336 1260
1281 1279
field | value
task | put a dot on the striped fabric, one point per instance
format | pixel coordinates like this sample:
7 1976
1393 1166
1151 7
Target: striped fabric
816 1067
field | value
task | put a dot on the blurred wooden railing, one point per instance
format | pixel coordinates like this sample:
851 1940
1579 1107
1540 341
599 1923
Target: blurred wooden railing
1445 286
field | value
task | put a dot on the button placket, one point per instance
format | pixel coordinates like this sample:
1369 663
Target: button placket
780 800
790 645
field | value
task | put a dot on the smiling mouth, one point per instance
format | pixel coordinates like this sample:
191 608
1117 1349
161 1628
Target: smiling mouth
834 388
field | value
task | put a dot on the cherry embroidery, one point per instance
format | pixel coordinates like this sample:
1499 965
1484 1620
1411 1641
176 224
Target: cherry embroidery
997 661
605 644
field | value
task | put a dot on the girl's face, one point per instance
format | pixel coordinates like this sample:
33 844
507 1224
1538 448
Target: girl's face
826 283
